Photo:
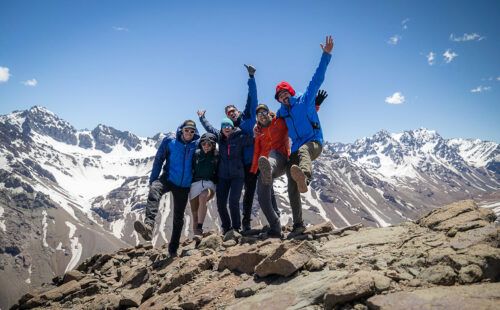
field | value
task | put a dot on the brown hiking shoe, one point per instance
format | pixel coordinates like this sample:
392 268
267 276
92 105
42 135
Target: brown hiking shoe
144 230
296 231
265 170
198 231
299 177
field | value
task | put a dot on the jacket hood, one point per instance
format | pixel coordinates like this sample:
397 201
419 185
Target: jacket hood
210 137
284 86
178 134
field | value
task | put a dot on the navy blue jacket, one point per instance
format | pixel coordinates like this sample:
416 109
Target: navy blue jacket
245 121
230 151
301 116
177 155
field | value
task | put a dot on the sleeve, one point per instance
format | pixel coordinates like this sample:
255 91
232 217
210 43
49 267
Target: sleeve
208 127
248 140
252 101
317 79
256 155
161 156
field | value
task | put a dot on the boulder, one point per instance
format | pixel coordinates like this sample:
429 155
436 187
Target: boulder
244 258
285 261
358 285
439 274
210 242
135 276
478 297
73 275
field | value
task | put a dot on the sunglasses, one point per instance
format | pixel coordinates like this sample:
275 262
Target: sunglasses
188 131
230 112
226 126
263 113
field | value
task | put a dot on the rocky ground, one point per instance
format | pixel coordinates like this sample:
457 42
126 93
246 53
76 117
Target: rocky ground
448 259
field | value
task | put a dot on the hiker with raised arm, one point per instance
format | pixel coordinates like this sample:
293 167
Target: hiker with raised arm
245 121
175 156
304 128
205 161
230 174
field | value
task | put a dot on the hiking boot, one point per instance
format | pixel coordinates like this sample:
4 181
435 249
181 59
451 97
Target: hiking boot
225 230
265 170
246 227
198 231
172 254
144 230
296 231
299 177
271 234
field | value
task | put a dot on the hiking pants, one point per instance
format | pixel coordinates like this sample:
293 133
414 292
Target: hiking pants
180 195
229 188
250 185
266 198
303 158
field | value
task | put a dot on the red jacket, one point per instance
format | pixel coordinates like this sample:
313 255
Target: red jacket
274 137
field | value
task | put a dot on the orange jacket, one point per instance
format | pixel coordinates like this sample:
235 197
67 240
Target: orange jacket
274 137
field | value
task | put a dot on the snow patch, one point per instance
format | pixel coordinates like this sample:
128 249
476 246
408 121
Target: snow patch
44 229
2 222
76 247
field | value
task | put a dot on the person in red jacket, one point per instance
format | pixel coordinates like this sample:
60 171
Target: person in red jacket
270 156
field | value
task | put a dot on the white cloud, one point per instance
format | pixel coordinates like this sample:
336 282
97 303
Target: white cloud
394 39
404 23
31 82
498 78
480 89
396 98
120 28
4 74
448 56
431 58
467 37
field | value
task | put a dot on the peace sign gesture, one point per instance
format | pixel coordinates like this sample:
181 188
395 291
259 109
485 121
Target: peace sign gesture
327 48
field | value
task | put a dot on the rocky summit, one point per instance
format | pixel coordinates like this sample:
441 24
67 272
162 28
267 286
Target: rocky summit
447 259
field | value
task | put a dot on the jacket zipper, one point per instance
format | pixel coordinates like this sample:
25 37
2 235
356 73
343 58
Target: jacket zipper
184 164
293 122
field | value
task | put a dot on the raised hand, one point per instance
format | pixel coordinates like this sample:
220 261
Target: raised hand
255 131
201 113
251 70
327 48
322 94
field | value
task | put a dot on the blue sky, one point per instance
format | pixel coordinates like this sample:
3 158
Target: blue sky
147 66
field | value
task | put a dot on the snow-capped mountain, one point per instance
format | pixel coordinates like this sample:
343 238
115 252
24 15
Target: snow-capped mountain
66 194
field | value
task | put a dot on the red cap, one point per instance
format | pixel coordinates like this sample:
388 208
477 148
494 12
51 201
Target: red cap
284 86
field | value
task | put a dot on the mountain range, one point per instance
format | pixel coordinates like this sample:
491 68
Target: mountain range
67 194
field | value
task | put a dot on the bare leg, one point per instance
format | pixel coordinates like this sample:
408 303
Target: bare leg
202 210
194 211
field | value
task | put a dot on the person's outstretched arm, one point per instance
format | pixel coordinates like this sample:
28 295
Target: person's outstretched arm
319 75
206 124
161 156
252 101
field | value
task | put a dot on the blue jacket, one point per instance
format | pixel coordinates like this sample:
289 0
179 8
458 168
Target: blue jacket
301 116
231 149
177 155
246 121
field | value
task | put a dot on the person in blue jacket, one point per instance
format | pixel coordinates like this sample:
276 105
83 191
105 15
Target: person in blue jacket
245 120
175 155
304 129
231 174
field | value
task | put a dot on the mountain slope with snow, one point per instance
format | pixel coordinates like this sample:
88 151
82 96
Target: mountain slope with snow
66 194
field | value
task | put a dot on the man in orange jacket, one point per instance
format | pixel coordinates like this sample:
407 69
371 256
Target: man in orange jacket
270 156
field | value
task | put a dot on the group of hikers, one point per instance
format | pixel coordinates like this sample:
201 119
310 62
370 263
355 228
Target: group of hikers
253 150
